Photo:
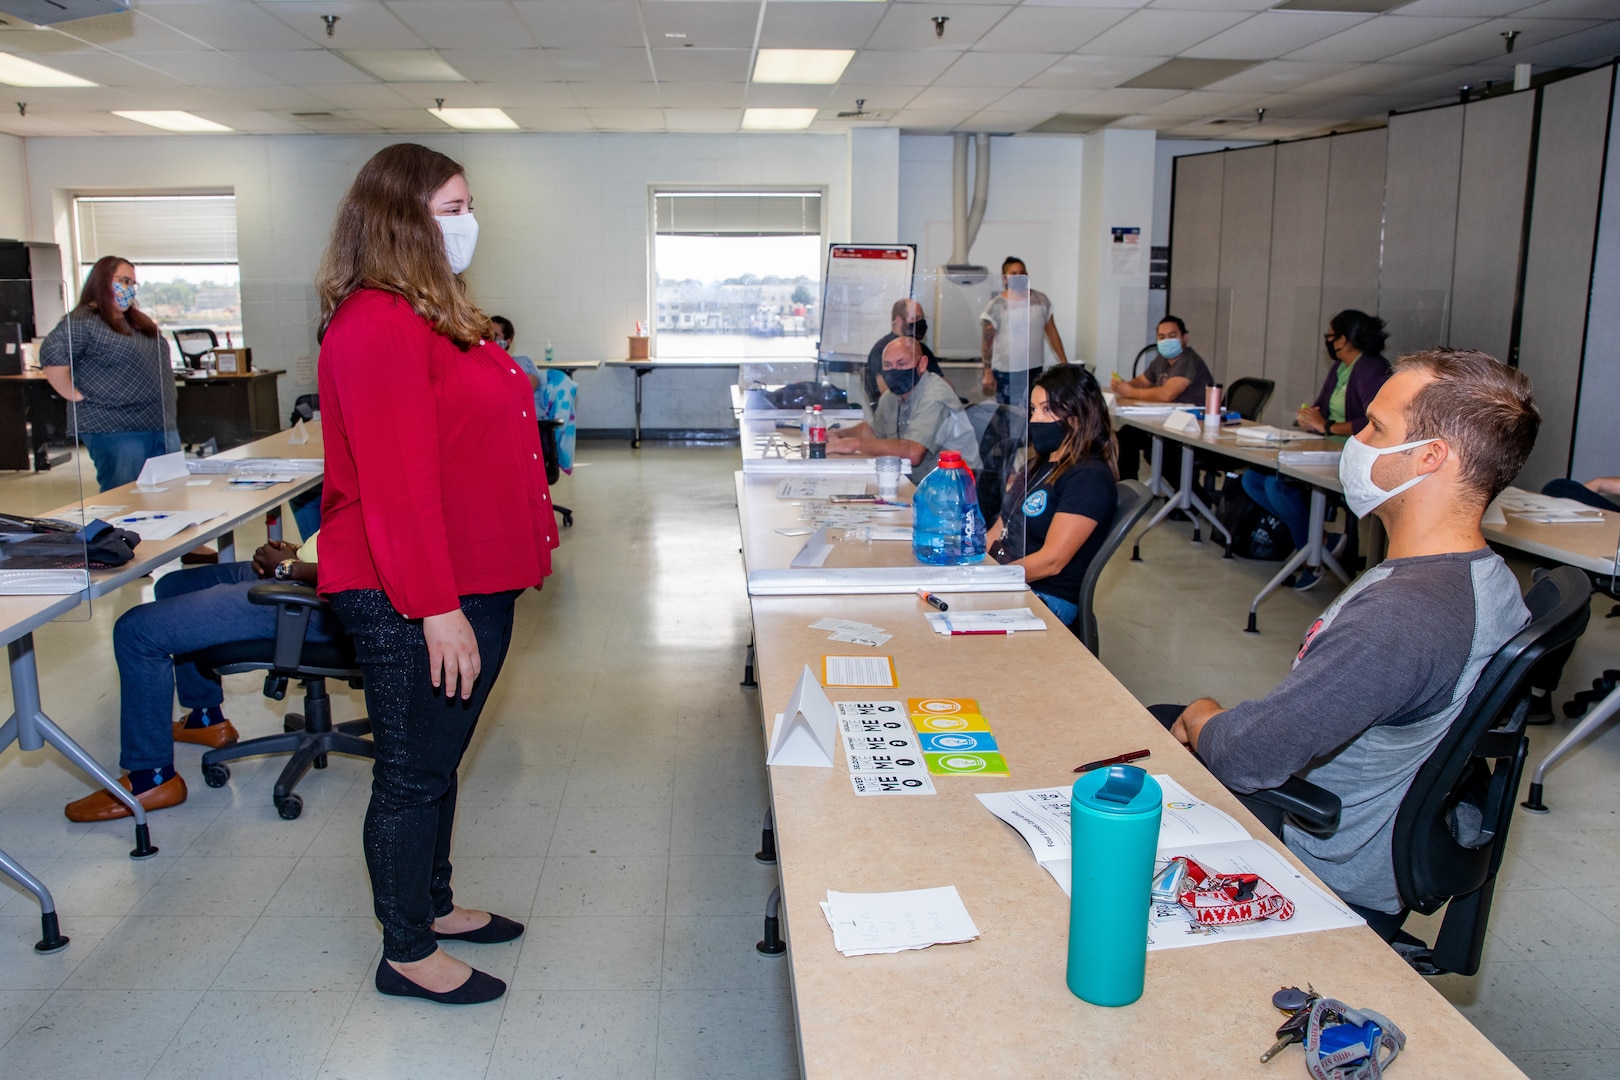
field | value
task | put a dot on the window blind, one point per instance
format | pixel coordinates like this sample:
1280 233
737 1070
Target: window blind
738 213
158 229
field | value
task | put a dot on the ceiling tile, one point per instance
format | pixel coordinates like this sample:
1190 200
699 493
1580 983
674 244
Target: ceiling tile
511 96
1005 70
1094 72
1126 102
255 122
462 24
367 95
1031 99
37 125
110 69
1483 43
701 65
1049 29
1211 5
787 96
703 119
706 24
1380 38
278 97
1569 9
128 31
970 98
602 65
572 23
1366 78
1162 33
360 25
626 119
1277 75
503 65
877 98
701 95
402 120
615 95
225 26
305 66
204 68
74 99
1465 8
456 95
819 25
550 119
1273 34
897 68
930 121
997 123
909 26
30 42
1586 47
1203 103
334 125
1187 73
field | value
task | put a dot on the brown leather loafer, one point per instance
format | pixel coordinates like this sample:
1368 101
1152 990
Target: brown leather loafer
213 736
101 806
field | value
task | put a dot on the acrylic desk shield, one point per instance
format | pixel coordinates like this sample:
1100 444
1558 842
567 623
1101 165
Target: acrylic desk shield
807 729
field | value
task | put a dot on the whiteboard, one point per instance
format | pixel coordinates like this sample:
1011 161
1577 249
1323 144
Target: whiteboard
862 283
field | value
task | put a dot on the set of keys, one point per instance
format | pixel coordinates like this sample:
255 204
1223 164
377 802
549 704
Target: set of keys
1297 1004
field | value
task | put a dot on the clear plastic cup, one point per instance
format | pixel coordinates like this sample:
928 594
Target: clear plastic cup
888 477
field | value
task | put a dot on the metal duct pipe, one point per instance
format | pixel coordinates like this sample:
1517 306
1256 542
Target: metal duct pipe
959 199
981 188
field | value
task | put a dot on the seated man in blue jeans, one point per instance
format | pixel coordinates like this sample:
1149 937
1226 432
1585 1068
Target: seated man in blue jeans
193 609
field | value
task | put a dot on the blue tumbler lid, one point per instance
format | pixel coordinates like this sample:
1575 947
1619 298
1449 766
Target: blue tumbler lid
1119 789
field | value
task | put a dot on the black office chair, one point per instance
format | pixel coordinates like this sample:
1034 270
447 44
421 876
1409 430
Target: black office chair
548 450
1247 397
305 406
194 344
309 737
1134 502
1452 825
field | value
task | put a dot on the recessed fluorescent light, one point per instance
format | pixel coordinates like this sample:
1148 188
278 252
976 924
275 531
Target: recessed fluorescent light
777 119
476 119
801 65
172 120
403 65
15 71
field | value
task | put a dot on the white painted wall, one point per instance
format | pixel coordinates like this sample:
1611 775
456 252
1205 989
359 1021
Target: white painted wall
563 248
1118 193
13 189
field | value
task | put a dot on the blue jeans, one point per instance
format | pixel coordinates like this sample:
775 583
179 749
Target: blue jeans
1282 498
1066 610
1012 387
306 511
119 455
195 608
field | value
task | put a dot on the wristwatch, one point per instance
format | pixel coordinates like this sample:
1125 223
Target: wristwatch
284 569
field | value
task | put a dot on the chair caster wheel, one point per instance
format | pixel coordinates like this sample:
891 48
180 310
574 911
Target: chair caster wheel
290 807
216 775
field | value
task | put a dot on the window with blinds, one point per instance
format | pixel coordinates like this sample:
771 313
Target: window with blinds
183 248
737 274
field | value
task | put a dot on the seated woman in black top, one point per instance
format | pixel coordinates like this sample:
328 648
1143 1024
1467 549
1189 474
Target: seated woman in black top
1059 507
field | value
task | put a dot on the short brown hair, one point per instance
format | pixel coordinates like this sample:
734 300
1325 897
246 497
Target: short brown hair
1485 410
385 238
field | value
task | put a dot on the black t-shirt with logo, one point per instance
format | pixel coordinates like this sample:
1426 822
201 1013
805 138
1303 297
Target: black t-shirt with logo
1086 489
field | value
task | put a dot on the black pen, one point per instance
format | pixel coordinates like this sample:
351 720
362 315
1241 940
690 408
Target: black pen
932 599
1134 755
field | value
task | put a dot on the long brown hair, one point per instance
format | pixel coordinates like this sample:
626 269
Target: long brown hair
97 297
1073 396
385 238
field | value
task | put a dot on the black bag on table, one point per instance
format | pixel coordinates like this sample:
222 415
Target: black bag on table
800 394
44 543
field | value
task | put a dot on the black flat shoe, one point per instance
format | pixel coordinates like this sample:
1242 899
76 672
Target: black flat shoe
478 988
497 930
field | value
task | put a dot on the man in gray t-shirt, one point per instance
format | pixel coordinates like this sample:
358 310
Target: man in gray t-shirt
1387 668
919 416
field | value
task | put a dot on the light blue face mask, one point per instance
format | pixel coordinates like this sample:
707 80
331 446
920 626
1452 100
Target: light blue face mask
1169 347
123 295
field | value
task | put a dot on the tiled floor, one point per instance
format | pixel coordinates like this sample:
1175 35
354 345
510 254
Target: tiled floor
612 797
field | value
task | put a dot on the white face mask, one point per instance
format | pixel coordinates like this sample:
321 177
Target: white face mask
460 239
1355 473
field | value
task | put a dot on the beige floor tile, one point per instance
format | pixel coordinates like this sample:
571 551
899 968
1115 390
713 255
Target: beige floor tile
161 953
247 1035
114 1034
577 1033
305 953
603 885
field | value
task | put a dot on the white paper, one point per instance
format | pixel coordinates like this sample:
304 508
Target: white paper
1265 433
845 624
300 434
806 730
199 483
85 514
819 487
881 749
889 532
162 524
1171 926
859 671
863 638
795 532
868 923
1011 620
163 468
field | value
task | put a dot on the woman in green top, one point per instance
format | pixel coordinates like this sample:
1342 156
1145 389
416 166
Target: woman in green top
1355 344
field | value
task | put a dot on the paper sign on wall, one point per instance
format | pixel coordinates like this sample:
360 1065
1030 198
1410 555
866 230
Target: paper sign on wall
806 729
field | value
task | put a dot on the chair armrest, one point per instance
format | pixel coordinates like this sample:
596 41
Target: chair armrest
293 604
287 594
1313 808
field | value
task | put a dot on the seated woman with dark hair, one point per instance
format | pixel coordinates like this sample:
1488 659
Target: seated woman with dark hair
1058 508
1355 344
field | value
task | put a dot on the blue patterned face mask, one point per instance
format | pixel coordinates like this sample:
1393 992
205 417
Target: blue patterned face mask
124 295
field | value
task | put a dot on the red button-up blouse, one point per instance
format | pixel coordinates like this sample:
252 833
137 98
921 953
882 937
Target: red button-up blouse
435 488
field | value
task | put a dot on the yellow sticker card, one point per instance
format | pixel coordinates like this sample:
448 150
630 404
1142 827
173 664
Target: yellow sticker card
941 723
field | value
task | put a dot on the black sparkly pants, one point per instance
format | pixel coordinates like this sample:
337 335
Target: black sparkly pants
420 736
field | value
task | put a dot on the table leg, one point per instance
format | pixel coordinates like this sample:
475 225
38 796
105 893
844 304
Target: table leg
1314 554
635 441
51 939
1184 499
31 729
272 523
227 546
772 943
1601 714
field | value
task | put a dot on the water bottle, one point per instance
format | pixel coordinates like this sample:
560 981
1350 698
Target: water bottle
1115 830
818 433
548 351
947 528
804 432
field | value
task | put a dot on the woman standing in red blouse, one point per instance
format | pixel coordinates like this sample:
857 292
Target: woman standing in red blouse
436 516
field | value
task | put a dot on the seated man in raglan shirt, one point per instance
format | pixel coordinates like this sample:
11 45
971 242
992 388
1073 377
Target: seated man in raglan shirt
919 416
1387 668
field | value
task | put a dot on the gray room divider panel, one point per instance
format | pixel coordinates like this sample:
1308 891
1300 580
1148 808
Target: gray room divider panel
1420 226
1195 252
1294 356
1245 280
1597 435
1355 223
1497 134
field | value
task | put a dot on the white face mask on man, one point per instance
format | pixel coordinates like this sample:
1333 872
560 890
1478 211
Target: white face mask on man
460 239
1355 473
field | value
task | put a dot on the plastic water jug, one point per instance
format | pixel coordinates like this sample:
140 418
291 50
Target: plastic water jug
947 528
1115 830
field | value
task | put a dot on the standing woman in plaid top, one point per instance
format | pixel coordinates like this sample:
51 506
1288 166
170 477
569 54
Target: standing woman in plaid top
109 360
435 516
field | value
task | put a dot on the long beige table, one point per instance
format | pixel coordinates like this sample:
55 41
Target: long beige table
999 1006
20 616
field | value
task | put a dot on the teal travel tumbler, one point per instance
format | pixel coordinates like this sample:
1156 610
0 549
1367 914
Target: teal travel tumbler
1115 829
